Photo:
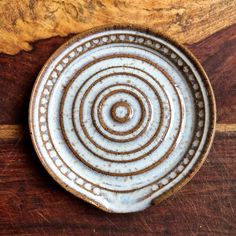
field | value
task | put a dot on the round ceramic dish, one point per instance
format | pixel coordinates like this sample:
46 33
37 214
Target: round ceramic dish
122 117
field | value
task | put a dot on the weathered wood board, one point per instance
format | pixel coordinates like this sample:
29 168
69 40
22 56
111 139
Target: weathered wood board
31 202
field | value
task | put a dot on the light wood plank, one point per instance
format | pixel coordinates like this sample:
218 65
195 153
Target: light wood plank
18 131
11 131
222 128
33 204
26 21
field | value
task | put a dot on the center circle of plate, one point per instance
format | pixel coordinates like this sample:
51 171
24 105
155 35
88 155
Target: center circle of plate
123 94
121 112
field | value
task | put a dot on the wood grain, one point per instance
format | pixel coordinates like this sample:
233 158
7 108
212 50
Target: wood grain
31 203
12 132
18 73
17 76
217 55
26 21
224 128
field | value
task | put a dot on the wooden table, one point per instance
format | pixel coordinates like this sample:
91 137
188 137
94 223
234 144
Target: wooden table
31 203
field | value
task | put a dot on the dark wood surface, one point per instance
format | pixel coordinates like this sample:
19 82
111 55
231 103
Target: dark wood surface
31 203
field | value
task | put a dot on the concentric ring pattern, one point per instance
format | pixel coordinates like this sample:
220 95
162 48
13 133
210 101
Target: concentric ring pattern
121 116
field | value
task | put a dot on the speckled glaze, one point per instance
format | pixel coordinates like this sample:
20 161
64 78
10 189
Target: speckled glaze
121 116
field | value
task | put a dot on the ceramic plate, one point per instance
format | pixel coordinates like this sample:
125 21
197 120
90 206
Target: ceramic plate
122 117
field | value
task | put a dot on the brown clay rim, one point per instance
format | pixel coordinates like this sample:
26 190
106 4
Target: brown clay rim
157 34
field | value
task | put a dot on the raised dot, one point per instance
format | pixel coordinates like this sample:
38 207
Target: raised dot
198 134
79 49
200 104
180 62
122 37
58 162
186 69
72 54
201 113
49 83
200 123
166 50
46 92
191 152
48 146
42 110
195 143
96 191
105 39
172 175
113 37
44 101
186 161
164 181
63 169
88 186
79 181
96 41
59 67
154 187
140 40
45 137
54 75
195 87
71 176
88 44
197 94
149 42
65 60
180 168
42 119
131 38
173 55
43 128
52 153
191 77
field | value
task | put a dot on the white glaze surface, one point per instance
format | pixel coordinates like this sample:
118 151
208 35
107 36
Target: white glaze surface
120 117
